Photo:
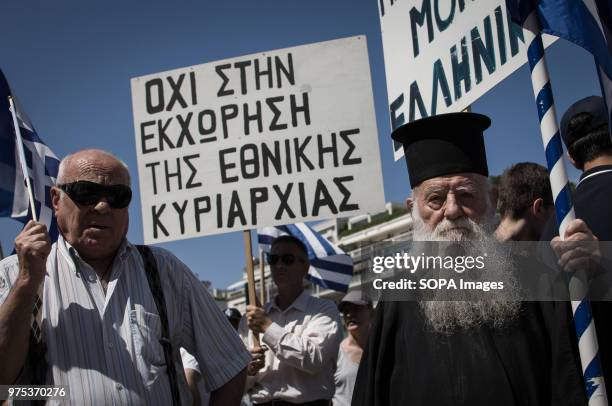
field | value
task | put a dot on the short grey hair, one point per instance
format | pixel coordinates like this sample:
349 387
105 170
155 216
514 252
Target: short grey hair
61 172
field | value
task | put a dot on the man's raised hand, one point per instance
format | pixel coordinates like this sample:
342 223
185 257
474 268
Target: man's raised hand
33 247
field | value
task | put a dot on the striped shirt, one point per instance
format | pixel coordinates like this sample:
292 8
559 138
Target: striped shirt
106 348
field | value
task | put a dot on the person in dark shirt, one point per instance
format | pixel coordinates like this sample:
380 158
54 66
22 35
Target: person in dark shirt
586 135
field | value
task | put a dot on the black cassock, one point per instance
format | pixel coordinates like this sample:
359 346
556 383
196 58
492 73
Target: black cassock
529 362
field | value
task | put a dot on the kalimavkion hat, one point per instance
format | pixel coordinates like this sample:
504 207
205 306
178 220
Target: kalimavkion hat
592 105
443 145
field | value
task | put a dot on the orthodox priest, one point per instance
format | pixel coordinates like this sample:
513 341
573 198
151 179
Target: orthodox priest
495 351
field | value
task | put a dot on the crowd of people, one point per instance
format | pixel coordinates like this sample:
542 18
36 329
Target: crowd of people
119 323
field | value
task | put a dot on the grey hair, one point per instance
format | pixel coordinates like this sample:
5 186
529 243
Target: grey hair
61 172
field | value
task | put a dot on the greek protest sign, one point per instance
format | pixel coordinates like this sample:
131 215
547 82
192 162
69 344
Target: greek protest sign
442 55
273 138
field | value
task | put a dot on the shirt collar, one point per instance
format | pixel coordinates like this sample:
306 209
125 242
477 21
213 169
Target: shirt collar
594 171
69 252
299 303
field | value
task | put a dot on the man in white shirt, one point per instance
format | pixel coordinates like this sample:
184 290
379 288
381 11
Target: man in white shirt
96 315
302 334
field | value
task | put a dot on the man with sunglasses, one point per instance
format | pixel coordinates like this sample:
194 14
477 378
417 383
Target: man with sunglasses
302 334
100 328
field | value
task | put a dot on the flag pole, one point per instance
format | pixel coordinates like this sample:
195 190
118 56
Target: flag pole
248 253
583 319
24 166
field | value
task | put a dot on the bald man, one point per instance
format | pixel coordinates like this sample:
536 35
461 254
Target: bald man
101 327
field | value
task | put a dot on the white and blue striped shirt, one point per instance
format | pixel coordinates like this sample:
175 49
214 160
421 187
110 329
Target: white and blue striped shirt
105 347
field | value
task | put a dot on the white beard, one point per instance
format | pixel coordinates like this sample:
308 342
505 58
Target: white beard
468 309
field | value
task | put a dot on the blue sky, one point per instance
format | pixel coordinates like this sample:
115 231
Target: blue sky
70 62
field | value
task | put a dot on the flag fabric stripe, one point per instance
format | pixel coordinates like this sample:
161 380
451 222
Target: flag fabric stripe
606 90
43 166
327 284
330 267
321 245
328 275
265 239
314 250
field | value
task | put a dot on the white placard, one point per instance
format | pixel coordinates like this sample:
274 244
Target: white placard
442 55
265 139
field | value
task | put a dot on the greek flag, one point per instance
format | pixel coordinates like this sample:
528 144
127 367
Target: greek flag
41 162
330 267
586 23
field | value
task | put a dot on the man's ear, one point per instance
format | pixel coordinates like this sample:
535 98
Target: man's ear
409 203
55 196
537 206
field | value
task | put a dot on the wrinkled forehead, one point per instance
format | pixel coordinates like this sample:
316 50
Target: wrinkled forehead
99 169
468 181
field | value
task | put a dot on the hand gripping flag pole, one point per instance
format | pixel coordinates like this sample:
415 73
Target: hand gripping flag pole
24 166
583 319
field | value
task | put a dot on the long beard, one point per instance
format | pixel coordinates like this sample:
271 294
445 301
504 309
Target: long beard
468 309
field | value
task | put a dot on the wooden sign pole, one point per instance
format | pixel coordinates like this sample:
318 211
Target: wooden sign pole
262 277
248 253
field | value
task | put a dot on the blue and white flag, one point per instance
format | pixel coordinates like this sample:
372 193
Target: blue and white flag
42 165
330 267
586 23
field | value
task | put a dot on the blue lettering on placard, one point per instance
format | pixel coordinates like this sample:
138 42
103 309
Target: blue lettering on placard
501 35
421 17
439 82
440 22
416 98
464 57
397 120
482 53
461 70
515 33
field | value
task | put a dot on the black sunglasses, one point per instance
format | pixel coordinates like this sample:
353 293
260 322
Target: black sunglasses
286 259
89 193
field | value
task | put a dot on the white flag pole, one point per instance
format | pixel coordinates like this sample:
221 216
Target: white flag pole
24 166
584 324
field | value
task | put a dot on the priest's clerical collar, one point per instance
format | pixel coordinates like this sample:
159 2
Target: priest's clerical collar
443 145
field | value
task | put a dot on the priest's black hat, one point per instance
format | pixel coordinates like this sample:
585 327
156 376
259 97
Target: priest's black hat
443 145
